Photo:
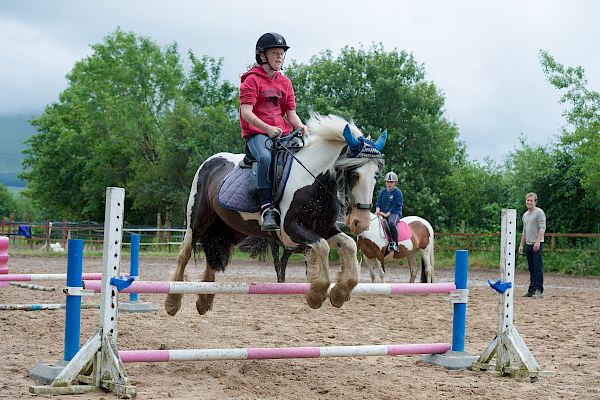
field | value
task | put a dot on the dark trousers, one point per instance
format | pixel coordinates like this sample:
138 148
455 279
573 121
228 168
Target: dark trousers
392 220
536 272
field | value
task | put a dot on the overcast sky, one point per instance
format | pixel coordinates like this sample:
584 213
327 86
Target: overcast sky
483 55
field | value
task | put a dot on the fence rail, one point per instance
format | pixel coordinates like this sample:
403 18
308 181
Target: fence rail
43 234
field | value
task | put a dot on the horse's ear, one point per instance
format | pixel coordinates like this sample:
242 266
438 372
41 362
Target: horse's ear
353 144
381 140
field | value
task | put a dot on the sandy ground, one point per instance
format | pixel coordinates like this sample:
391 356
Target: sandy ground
561 330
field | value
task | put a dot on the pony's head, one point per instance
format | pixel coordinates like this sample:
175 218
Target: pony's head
357 167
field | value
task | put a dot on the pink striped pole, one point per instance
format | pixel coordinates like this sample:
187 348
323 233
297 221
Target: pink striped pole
381 289
96 276
4 243
268 353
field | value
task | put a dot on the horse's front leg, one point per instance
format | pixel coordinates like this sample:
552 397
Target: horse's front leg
276 261
347 278
317 272
173 301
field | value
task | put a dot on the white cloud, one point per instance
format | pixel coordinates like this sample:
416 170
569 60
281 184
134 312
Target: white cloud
482 55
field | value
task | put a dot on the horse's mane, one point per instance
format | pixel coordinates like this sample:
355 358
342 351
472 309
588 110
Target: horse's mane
329 127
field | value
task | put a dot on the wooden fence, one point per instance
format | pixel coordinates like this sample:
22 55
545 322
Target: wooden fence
168 238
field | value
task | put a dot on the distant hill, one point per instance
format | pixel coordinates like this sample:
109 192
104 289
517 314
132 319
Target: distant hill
14 130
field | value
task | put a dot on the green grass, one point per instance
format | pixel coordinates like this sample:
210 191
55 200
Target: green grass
581 264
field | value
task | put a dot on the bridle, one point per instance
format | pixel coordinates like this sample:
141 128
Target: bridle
342 179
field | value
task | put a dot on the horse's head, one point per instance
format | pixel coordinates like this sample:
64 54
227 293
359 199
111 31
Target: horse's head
361 166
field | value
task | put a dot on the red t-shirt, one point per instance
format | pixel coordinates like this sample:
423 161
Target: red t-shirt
270 97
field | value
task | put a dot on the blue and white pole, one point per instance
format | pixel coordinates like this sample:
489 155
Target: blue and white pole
73 302
460 308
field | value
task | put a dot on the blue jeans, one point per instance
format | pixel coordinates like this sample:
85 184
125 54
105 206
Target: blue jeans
536 272
260 147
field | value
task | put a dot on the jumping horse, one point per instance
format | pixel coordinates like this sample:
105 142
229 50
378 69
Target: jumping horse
374 246
336 157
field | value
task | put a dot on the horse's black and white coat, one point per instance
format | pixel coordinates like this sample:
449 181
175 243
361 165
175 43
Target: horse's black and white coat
309 210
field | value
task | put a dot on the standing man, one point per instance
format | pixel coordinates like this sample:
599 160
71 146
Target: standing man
534 226
389 206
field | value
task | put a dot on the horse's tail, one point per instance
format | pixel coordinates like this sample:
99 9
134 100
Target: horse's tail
431 262
256 247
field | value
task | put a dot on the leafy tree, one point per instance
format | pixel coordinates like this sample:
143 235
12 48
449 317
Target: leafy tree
581 138
7 202
133 117
380 89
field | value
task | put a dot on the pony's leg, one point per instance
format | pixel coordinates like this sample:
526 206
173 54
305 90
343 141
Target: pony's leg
412 266
283 262
173 301
381 270
347 278
367 262
317 272
276 260
426 266
205 301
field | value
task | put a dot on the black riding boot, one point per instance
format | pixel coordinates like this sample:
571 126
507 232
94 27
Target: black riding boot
270 219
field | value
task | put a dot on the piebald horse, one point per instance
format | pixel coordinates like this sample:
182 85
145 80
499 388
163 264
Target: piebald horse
335 156
374 246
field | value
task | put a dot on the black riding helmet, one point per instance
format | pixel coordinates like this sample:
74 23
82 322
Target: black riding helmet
269 40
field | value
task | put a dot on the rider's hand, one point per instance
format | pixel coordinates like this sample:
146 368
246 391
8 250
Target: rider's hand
303 128
274 131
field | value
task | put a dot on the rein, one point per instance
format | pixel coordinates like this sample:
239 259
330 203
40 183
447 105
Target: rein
282 145
340 181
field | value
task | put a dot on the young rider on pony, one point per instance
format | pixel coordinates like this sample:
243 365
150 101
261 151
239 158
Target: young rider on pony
389 206
267 110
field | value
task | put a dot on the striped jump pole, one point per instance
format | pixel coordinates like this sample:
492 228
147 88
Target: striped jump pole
39 307
47 277
4 243
381 289
269 353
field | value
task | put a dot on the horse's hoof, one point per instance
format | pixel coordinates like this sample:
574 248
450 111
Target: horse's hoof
204 303
337 296
314 302
316 296
173 303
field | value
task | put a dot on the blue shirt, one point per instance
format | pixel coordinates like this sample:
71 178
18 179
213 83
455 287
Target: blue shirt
390 201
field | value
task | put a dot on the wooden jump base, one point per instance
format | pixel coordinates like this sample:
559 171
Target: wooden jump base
99 364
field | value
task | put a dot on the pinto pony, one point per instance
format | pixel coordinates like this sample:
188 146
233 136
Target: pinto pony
335 156
374 246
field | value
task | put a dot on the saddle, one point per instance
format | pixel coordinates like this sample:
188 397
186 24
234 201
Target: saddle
239 192
404 230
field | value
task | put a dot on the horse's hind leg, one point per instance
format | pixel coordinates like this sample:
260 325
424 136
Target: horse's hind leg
173 301
426 266
283 262
217 243
412 266
347 278
205 301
